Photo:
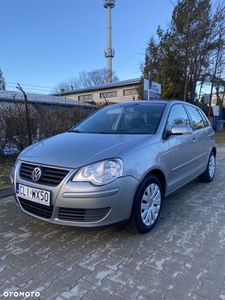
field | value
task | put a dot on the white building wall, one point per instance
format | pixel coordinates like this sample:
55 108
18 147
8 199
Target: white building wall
214 99
96 95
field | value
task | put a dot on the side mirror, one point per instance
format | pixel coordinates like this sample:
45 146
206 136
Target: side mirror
178 130
181 129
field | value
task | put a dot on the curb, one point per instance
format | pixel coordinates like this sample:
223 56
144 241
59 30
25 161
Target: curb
6 192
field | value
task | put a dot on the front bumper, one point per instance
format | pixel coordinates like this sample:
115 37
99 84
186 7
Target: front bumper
82 204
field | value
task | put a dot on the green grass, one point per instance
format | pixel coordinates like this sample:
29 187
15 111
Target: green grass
6 163
220 137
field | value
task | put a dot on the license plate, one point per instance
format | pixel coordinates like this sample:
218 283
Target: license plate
33 194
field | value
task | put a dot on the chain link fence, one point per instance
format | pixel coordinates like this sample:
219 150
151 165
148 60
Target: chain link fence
20 127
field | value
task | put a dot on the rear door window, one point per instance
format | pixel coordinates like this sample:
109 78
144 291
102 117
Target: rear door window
197 119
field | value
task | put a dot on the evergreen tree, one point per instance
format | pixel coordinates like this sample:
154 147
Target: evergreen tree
2 81
183 53
190 35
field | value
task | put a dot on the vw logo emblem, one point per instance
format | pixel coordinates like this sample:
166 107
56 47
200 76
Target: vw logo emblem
36 174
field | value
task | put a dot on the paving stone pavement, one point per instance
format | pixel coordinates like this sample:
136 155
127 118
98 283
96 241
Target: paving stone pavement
182 258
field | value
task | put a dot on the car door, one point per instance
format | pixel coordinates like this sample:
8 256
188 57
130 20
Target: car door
181 156
201 136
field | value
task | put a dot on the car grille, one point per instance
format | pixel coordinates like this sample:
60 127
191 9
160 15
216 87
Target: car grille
82 215
51 176
36 209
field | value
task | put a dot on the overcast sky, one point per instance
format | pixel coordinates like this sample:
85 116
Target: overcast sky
44 42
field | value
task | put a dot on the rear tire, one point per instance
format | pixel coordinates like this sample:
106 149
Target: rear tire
209 173
146 206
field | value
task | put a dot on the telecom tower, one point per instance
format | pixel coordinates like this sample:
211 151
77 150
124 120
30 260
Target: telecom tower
109 52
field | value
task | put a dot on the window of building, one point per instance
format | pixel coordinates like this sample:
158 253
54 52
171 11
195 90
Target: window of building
108 94
85 97
129 92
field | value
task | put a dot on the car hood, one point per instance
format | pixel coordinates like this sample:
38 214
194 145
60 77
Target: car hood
73 150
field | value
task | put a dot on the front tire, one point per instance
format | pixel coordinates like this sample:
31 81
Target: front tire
147 205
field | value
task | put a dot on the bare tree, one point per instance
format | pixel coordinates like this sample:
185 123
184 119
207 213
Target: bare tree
84 80
217 59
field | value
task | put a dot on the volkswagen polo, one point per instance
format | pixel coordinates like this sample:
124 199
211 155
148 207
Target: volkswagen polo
116 166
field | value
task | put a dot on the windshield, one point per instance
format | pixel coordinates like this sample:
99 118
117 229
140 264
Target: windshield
123 119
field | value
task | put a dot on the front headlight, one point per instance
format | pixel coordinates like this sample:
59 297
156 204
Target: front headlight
102 172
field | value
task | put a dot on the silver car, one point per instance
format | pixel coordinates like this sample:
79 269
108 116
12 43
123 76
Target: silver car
116 166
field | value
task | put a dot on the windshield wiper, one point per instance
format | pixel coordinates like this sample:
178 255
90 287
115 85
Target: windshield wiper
76 131
94 132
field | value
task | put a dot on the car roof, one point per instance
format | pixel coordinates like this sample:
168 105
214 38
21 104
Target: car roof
148 102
